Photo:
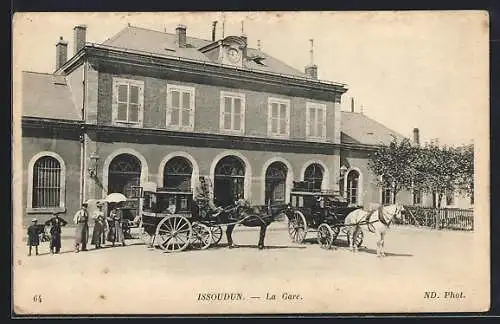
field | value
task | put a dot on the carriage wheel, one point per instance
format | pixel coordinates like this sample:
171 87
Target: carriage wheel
325 236
297 227
202 236
358 238
216 234
173 233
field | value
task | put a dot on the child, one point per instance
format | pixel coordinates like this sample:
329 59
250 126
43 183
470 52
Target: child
33 236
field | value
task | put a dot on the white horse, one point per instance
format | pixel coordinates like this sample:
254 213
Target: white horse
378 221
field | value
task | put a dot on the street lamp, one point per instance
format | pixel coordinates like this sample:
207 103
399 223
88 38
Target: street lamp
94 157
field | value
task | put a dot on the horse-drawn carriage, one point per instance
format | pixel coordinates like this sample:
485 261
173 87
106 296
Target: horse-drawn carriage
320 211
173 219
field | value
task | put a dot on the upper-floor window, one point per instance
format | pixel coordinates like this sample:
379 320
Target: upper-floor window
316 121
180 107
232 112
278 117
128 98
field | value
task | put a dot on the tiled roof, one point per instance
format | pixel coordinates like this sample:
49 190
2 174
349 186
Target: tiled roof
357 128
47 96
157 42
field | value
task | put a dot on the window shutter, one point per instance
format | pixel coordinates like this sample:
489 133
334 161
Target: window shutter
324 122
308 124
169 105
287 120
140 117
242 122
192 110
222 112
114 105
269 117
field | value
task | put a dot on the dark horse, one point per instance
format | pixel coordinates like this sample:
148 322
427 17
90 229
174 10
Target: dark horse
242 214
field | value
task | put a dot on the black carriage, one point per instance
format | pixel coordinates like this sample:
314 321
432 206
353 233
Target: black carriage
320 211
167 222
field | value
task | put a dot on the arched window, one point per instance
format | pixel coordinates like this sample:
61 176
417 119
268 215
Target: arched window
229 180
47 183
124 172
387 192
275 183
353 187
314 175
177 174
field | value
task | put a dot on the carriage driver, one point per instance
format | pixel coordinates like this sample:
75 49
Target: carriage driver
202 197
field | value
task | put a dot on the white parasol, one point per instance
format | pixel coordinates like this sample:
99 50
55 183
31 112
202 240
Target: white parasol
115 197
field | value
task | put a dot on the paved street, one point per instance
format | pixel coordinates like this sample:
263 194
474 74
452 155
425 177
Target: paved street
137 279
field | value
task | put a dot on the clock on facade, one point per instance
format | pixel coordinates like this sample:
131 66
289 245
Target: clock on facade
233 55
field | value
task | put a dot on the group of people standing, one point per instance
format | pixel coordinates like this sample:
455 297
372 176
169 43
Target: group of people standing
34 231
108 228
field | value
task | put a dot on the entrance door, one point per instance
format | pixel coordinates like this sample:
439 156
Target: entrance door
275 183
229 181
124 172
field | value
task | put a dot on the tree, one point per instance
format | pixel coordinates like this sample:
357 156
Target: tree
393 164
441 170
465 177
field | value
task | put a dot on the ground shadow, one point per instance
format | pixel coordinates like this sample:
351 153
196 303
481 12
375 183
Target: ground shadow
266 247
373 251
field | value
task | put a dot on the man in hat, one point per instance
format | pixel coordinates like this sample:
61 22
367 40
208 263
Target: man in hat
55 224
33 236
100 226
81 220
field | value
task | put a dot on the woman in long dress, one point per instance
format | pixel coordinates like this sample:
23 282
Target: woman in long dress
115 221
100 224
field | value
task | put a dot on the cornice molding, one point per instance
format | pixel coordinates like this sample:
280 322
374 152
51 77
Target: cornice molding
256 142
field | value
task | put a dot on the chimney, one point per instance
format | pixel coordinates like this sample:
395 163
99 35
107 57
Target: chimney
311 70
61 52
80 37
214 24
180 31
416 137
352 104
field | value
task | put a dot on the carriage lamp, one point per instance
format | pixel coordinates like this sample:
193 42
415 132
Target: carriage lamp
93 168
343 170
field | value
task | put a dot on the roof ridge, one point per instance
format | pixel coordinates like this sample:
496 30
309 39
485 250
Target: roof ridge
164 32
375 121
115 36
34 72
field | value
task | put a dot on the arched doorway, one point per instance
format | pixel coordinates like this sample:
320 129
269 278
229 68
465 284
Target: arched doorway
275 188
314 175
124 172
229 180
353 187
177 174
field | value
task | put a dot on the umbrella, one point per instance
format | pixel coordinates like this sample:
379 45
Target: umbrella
115 197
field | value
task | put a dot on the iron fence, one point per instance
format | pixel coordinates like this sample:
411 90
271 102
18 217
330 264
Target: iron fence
439 218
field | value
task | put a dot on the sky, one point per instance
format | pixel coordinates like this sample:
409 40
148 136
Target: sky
427 70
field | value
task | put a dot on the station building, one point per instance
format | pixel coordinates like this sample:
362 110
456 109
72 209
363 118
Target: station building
148 107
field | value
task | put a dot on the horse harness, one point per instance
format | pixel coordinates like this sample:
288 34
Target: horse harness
381 219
